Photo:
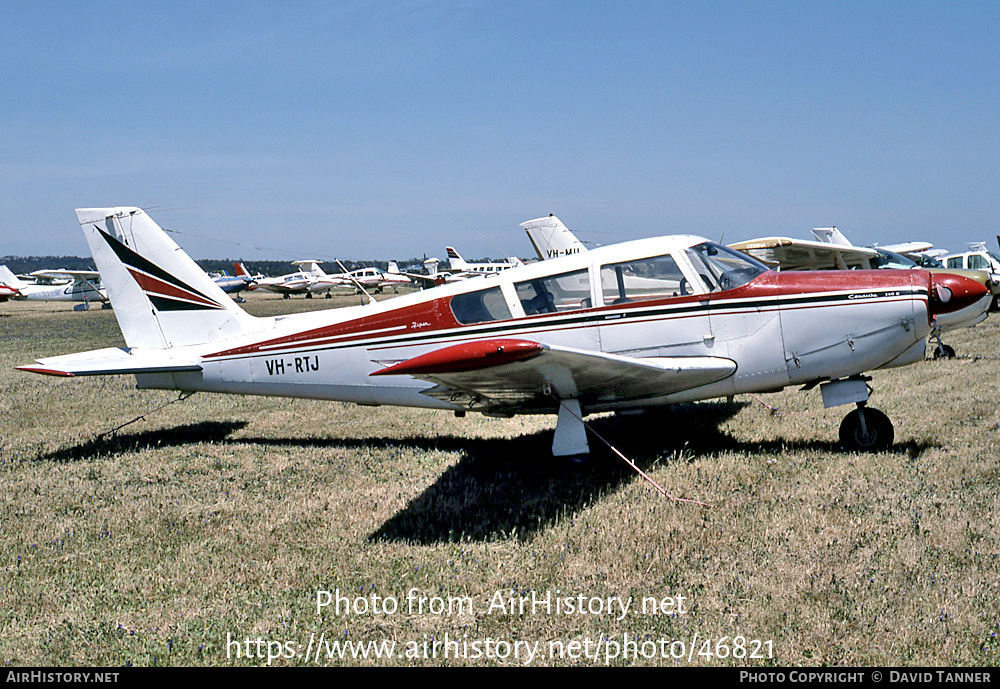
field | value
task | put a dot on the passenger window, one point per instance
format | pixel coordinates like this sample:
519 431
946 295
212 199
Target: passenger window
977 262
480 307
955 262
648 278
552 293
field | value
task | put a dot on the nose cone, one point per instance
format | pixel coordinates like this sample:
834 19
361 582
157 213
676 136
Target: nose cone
951 292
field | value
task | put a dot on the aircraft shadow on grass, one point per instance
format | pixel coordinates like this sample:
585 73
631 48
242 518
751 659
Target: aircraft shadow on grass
110 443
503 488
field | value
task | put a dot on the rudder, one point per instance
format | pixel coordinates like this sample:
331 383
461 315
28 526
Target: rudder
161 297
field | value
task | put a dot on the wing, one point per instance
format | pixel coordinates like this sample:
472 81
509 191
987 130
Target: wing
111 361
785 253
508 375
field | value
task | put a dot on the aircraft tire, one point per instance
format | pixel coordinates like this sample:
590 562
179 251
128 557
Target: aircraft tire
944 351
879 434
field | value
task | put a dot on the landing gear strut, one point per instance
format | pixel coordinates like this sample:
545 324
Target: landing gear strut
866 430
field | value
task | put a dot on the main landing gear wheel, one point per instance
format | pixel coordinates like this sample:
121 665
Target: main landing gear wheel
866 430
943 351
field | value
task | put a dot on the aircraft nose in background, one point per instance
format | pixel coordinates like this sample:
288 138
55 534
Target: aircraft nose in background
950 292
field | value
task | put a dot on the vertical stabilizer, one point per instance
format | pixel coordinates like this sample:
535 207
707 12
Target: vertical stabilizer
831 235
8 278
160 296
455 260
551 238
310 266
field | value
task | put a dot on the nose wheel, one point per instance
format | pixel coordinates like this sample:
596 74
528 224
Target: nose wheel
866 430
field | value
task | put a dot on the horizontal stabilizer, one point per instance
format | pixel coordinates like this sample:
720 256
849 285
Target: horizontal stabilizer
110 361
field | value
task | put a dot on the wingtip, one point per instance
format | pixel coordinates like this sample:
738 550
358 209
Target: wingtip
45 371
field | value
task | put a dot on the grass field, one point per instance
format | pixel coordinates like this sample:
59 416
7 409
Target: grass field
203 533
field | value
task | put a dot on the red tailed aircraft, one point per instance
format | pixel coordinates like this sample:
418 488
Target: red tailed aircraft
628 326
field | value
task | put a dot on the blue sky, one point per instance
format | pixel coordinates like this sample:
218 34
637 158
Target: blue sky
390 129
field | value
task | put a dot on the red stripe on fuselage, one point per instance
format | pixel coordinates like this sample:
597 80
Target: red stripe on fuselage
435 314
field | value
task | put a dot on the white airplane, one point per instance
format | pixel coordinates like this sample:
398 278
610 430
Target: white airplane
834 251
309 280
462 268
374 279
567 336
56 285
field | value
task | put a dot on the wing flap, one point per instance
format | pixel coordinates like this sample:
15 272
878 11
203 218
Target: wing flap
520 374
110 361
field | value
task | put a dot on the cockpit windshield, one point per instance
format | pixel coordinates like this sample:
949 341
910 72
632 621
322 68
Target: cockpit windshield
890 259
721 268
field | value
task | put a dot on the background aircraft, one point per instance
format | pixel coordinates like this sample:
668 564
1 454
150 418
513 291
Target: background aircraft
567 336
834 251
309 280
462 268
234 284
56 285
373 279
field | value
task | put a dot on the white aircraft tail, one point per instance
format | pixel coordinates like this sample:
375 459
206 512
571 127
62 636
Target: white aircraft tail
8 278
161 297
551 238
393 268
831 235
311 267
455 260
431 266
240 271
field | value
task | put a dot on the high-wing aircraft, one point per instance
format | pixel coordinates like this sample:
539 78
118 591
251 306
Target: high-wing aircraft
56 285
833 251
569 336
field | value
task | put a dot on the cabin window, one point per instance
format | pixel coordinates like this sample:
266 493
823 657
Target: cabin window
643 279
723 269
552 293
480 307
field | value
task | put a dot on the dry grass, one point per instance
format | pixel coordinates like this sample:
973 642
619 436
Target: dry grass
224 515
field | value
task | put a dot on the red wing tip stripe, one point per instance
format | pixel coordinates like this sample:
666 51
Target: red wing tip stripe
45 371
468 356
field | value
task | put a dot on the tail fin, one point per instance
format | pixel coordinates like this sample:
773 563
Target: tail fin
311 267
161 297
8 278
454 260
551 238
831 235
393 268
240 270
